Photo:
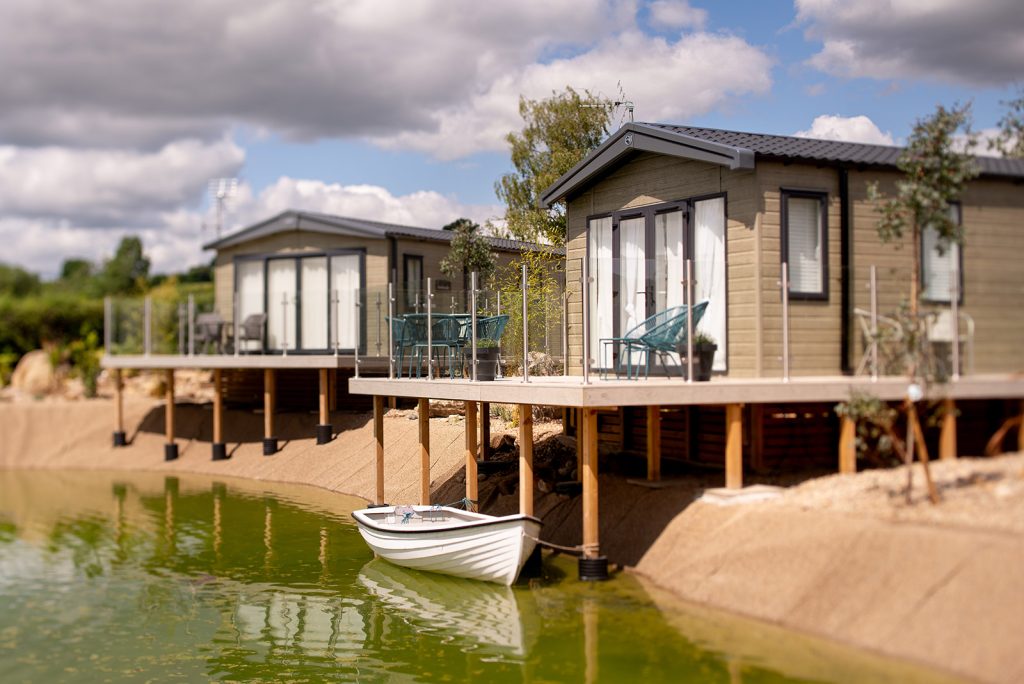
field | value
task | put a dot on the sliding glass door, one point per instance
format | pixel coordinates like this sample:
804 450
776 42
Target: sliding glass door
314 303
345 283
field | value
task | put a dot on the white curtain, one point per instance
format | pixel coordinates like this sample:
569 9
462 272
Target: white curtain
314 303
600 266
804 238
345 284
281 304
937 269
250 290
632 273
709 271
668 240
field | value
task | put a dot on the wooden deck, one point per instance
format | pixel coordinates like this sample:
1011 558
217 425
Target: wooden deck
571 392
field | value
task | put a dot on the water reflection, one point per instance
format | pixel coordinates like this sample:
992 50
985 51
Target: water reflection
151 577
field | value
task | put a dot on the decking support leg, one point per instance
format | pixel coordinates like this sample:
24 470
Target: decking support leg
847 446
734 446
653 443
485 430
120 439
579 444
378 436
1020 429
424 416
324 430
947 433
471 445
219 451
592 566
526 459
269 440
170 448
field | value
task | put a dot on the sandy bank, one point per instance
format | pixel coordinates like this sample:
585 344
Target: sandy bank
846 558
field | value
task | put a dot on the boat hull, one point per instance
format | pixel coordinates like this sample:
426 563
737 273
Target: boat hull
449 541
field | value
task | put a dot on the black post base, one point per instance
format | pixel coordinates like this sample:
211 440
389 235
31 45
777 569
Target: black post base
120 439
594 569
533 565
220 451
324 433
269 446
170 452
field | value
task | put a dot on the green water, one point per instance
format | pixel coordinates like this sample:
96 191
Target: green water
150 578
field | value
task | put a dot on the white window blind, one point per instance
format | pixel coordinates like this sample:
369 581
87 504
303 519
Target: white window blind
937 269
313 294
345 283
709 271
281 296
803 245
600 267
668 246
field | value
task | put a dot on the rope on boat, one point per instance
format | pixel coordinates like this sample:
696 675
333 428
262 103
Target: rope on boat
465 502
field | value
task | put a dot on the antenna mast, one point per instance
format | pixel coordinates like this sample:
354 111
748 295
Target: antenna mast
221 190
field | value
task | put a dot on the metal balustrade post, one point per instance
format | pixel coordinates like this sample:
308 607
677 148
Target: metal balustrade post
108 321
391 328
334 321
954 311
472 320
191 325
181 328
430 329
585 282
874 323
785 322
237 324
147 323
358 331
689 320
284 324
565 333
378 324
526 332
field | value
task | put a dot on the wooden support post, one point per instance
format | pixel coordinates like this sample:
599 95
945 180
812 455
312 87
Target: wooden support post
653 443
947 434
269 440
378 436
424 416
170 448
471 476
218 450
1020 429
526 459
119 435
324 431
579 444
485 430
734 446
591 541
847 446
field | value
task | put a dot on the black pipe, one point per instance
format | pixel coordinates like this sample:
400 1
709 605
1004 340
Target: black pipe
846 279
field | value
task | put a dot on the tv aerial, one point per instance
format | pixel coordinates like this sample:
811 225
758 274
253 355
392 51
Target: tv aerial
221 190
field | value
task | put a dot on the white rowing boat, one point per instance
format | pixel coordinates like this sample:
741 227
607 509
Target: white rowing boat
450 541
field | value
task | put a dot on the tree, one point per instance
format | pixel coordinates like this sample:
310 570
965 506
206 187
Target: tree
469 252
76 271
127 270
560 131
17 281
935 174
1010 140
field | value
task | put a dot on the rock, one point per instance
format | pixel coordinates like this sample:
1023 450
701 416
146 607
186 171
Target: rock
34 373
542 364
503 442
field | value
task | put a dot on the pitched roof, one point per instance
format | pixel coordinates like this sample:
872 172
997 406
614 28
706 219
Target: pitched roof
293 220
739 150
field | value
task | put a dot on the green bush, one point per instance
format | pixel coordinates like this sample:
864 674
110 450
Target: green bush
58 318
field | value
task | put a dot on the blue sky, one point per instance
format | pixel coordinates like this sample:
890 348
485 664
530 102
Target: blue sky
396 110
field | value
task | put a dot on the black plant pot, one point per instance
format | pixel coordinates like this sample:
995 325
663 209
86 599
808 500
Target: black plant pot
486 363
705 358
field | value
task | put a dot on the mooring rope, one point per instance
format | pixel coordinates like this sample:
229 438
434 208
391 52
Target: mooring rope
575 550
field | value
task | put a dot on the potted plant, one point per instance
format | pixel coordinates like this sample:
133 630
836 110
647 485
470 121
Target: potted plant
486 359
704 348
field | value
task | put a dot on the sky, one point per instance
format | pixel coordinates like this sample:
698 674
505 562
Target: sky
116 114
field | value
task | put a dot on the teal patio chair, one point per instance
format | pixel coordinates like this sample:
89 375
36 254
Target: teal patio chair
633 335
666 338
444 336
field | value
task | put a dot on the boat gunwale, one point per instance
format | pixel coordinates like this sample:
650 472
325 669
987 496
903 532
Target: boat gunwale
364 520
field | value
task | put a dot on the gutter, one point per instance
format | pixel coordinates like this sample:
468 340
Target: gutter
846 278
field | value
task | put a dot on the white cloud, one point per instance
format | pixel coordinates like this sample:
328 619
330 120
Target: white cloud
947 40
677 14
668 81
110 187
851 129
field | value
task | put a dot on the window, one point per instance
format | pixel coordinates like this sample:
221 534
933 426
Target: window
805 243
412 279
937 267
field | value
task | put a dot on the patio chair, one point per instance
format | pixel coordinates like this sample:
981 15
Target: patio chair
667 338
444 335
400 341
487 328
254 327
940 335
209 330
632 335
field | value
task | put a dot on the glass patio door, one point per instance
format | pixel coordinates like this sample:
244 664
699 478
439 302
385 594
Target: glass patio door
313 300
632 282
282 288
345 284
